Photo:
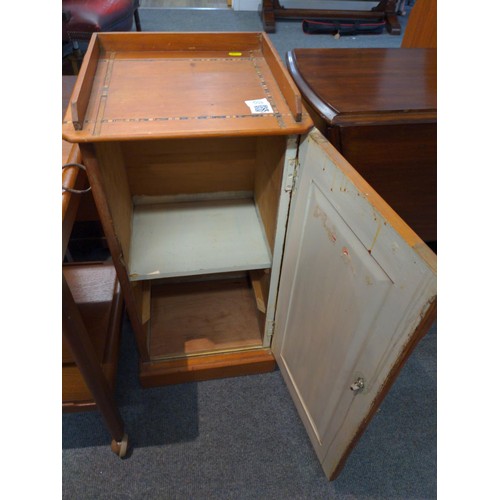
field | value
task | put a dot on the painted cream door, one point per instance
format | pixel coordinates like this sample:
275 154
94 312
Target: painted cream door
357 291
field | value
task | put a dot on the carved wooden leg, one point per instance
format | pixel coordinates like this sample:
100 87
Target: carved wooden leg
267 16
392 24
388 7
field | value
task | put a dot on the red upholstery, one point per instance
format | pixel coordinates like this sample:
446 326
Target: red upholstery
81 18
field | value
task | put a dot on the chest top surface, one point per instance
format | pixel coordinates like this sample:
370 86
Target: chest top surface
160 85
349 82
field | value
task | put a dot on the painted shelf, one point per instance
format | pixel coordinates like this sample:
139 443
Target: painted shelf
196 237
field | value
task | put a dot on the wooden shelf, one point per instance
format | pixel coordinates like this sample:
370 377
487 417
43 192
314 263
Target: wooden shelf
202 317
197 237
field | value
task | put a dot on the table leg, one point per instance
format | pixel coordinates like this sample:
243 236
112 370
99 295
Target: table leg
267 16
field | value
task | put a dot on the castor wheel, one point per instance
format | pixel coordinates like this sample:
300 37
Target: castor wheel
120 447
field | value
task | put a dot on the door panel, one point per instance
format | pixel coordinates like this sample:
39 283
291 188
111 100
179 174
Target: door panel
348 307
356 283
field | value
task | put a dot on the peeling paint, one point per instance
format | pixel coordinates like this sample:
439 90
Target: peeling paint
377 232
319 214
346 257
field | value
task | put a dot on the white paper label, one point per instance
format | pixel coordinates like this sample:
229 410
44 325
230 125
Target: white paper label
259 106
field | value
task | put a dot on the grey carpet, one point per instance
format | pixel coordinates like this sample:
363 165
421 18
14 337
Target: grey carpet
288 34
241 438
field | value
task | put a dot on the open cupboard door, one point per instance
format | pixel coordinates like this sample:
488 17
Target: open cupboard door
357 292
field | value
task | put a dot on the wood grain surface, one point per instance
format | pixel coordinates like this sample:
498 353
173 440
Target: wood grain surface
196 84
204 316
378 107
366 81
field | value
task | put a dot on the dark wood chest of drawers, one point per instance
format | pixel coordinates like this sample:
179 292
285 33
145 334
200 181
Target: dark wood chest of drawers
378 108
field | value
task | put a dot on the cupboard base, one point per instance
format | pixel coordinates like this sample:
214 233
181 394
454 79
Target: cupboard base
212 366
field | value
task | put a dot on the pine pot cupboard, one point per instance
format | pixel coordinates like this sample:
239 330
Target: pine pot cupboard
239 234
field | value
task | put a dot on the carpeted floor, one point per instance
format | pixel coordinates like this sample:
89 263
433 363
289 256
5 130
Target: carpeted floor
288 34
241 438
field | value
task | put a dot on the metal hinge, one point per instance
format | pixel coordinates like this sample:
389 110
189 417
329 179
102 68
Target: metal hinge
270 329
291 174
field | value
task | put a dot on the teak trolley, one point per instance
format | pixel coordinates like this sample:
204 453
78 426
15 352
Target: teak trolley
239 234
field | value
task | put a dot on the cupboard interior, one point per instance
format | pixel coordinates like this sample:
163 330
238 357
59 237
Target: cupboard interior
196 220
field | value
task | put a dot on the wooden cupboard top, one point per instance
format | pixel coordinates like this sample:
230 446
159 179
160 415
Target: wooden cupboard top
136 86
347 84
